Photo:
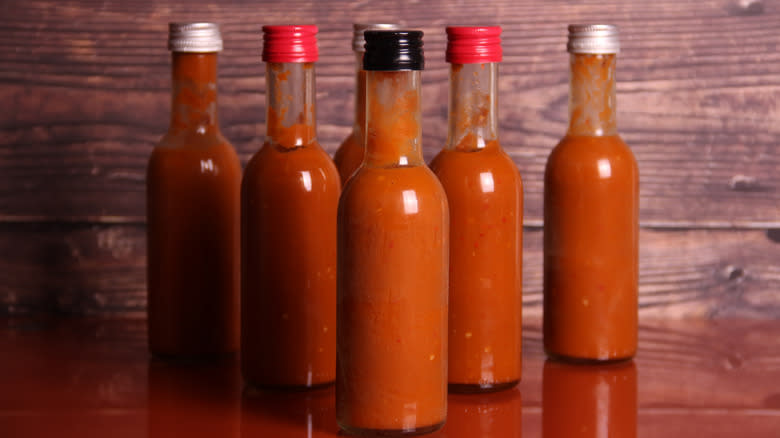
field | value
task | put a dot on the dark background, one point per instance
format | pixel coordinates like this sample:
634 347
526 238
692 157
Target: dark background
85 94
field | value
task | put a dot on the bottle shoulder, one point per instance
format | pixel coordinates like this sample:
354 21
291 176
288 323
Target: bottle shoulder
351 144
585 147
273 163
397 195
349 155
301 157
192 139
453 166
374 182
200 154
581 149
602 158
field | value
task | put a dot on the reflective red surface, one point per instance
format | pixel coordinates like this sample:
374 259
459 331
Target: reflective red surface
84 378
589 401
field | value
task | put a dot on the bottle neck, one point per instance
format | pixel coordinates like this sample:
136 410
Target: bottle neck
393 128
592 105
290 104
194 97
473 111
360 94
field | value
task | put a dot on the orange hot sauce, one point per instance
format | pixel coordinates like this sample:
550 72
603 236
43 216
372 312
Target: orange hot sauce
193 183
589 400
393 255
289 203
350 154
485 195
591 210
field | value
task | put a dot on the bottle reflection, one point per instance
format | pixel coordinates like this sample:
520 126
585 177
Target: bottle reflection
493 415
593 401
299 414
194 399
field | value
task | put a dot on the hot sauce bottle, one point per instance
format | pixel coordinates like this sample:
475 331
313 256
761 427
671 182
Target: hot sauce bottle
393 258
350 154
192 188
589 400
591 210
485 195
289 200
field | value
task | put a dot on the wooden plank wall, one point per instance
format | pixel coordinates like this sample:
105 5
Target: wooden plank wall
84 92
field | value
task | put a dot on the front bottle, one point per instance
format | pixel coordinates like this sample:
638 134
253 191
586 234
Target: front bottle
350 154
289 199
193 186
393 258
485 195
591 209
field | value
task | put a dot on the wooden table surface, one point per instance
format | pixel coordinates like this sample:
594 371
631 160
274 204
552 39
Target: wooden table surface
94 377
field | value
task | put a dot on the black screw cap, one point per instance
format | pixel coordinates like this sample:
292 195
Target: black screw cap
393 50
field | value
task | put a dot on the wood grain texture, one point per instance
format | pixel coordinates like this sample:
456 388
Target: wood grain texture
72 269
85 86
100 269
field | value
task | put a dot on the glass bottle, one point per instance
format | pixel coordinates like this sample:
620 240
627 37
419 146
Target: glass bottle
485 195
589 400
289 201
193 185
591 210
393 257
350 154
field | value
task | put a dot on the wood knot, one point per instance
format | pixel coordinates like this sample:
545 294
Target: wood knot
748 7
733 361
744 183
734 273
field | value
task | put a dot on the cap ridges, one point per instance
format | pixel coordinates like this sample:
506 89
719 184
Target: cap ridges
199 37
290 43
474 44
593 39
393 50
358 29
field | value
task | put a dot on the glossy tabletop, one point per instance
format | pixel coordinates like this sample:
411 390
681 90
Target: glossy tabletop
94 377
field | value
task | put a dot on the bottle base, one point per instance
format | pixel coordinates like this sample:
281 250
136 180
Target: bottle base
586 360
358 431
250 387
185 358
481 388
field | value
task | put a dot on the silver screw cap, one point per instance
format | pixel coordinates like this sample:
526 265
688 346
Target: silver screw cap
359 40
593 39
194 37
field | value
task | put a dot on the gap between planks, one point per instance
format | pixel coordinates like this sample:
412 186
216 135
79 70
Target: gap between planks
530 224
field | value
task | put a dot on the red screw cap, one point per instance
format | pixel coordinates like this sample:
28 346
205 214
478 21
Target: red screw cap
293 43
473 44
